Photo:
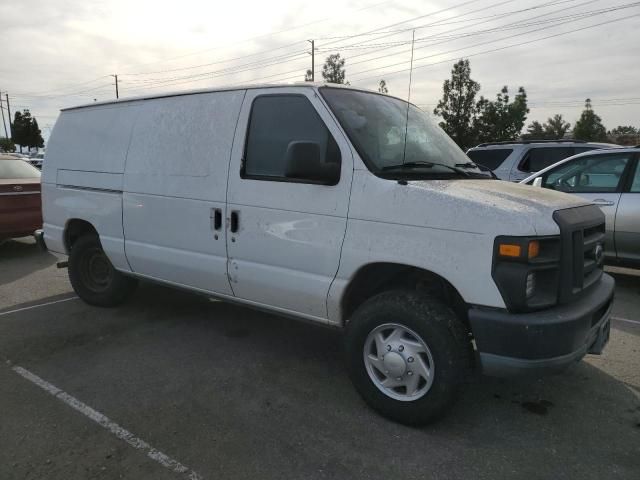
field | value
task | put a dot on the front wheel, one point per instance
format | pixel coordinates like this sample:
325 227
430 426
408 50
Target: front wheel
93 277
407 355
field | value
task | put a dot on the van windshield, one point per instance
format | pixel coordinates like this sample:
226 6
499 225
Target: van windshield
376 126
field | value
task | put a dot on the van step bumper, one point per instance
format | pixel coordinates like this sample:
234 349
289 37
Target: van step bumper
39 236
543 342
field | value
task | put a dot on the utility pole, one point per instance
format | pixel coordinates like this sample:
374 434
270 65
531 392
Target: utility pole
313 60
3 121
6 95
116 77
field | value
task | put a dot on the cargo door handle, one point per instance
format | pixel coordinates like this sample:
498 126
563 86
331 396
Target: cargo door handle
602 202
235 220
216 217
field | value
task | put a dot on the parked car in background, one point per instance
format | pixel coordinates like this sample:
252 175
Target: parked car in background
611 180
20 205
36 160
515 161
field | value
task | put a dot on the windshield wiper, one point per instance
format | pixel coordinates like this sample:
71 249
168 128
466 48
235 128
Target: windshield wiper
478 166
421 164
467 165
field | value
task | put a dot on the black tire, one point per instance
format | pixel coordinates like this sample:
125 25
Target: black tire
443 333
93 277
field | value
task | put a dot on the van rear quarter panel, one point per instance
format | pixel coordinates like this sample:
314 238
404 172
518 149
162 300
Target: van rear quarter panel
83 175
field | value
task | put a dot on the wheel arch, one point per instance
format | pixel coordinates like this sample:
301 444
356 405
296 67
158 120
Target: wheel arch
374 278
74 229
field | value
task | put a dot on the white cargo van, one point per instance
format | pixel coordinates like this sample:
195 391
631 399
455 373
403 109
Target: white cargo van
306 200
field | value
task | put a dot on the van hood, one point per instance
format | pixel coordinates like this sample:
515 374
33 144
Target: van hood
492 207
479 202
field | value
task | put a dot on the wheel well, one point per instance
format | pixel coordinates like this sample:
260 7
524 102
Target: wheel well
75 229
378 277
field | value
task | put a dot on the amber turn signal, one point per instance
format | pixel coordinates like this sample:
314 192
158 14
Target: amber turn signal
534 249
509 250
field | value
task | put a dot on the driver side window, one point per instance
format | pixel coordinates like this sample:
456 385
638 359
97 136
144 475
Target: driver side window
596 174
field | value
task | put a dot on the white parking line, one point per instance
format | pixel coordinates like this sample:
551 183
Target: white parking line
104 422
37 306
620 319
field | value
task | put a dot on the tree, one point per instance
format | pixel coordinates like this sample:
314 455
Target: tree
7 145
458 105
308 76
589 127
382 87
25 131
556 127
333 69
535 130
553 129
35 139
18 129
501 120
625 135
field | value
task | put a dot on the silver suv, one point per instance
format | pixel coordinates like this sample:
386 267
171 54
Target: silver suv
515 161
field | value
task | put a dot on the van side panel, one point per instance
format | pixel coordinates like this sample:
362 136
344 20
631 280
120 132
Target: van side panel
176 177
82 176
93 139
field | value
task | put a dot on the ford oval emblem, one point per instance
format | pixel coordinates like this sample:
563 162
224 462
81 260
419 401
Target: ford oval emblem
17 188
598 254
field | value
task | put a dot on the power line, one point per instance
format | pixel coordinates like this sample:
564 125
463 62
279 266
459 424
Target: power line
49 92
207 75
24 95
234 69
260 64
496 40
217 62
270 34
478 23
513 26
506 46
450 21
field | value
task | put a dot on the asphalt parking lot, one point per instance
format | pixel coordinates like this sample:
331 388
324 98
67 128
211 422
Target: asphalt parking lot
173 385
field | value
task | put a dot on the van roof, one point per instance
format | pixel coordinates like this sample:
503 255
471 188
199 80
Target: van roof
301 84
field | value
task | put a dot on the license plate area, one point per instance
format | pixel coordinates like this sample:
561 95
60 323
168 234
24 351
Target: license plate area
602 339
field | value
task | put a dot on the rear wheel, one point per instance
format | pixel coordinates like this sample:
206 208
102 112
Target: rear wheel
407 354
94 278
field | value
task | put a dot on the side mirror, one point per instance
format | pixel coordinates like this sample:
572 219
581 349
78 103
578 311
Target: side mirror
303 162
537 182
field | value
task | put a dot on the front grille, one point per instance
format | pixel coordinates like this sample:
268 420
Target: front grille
582 233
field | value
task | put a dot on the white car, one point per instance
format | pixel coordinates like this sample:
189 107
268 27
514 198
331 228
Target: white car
307 200
609 179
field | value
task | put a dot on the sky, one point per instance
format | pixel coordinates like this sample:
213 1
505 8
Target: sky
60 53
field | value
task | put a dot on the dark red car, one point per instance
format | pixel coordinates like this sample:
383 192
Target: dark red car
20 203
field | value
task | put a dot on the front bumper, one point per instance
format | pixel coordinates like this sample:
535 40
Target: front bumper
546 341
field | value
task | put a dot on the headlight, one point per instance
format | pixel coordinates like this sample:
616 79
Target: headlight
525 270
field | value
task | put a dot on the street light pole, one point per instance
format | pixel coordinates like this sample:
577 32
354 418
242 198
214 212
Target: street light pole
4 124
116 77
6 95
313 60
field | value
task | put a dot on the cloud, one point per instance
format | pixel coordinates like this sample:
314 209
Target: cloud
68 47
